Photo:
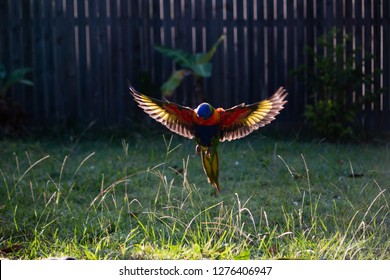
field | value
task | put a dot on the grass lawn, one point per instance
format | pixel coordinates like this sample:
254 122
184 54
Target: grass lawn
137 198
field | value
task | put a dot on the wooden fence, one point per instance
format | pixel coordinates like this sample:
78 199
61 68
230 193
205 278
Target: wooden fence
84 52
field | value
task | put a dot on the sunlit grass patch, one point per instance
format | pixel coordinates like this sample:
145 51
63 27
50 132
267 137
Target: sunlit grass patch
149 199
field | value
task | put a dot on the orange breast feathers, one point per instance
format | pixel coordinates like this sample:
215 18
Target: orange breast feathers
213 120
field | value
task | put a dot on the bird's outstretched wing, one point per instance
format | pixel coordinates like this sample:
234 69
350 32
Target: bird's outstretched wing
242 119
175 117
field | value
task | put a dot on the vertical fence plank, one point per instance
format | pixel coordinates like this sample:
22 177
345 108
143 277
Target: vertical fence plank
229 57
168 38
299 99
132 53
59 60
377 41
42 55
15 43
114 107
269 47
25 94
39 105
280 47
26 56
105 58
156 57
252 67
184 35
358 37
319 25
292 81
13 58
130 37
310 31
5 27
260 75
81 59
214 15
198 18
73 104
145 36
367 59
240 31
349 48
386 64
95 49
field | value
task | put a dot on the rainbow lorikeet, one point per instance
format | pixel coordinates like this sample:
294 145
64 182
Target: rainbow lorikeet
209 126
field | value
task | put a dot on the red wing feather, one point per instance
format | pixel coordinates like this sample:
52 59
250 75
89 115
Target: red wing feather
242 119
176 118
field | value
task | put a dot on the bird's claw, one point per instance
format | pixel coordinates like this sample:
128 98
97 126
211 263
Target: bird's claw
197 149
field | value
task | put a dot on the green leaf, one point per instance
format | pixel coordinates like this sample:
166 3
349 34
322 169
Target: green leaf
26 82
202 70
204 58
21 72
173 82
199 64
179 56
16 76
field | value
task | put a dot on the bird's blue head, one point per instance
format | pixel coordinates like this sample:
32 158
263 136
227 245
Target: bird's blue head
204 110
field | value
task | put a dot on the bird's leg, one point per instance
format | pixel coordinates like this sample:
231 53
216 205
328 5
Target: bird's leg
208 152
197 149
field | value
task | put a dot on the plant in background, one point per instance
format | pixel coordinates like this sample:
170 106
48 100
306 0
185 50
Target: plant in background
11 114
196 65
331 83
7 80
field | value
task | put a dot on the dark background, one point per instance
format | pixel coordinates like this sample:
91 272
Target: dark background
83 52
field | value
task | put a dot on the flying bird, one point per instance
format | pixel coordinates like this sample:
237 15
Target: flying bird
209 126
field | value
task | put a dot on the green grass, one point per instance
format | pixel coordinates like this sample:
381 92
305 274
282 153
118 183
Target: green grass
139 198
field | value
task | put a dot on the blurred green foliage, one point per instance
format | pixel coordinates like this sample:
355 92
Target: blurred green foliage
197 65
8 79
331 82
11 114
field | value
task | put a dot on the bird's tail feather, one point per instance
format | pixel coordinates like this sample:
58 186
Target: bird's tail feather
211 167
